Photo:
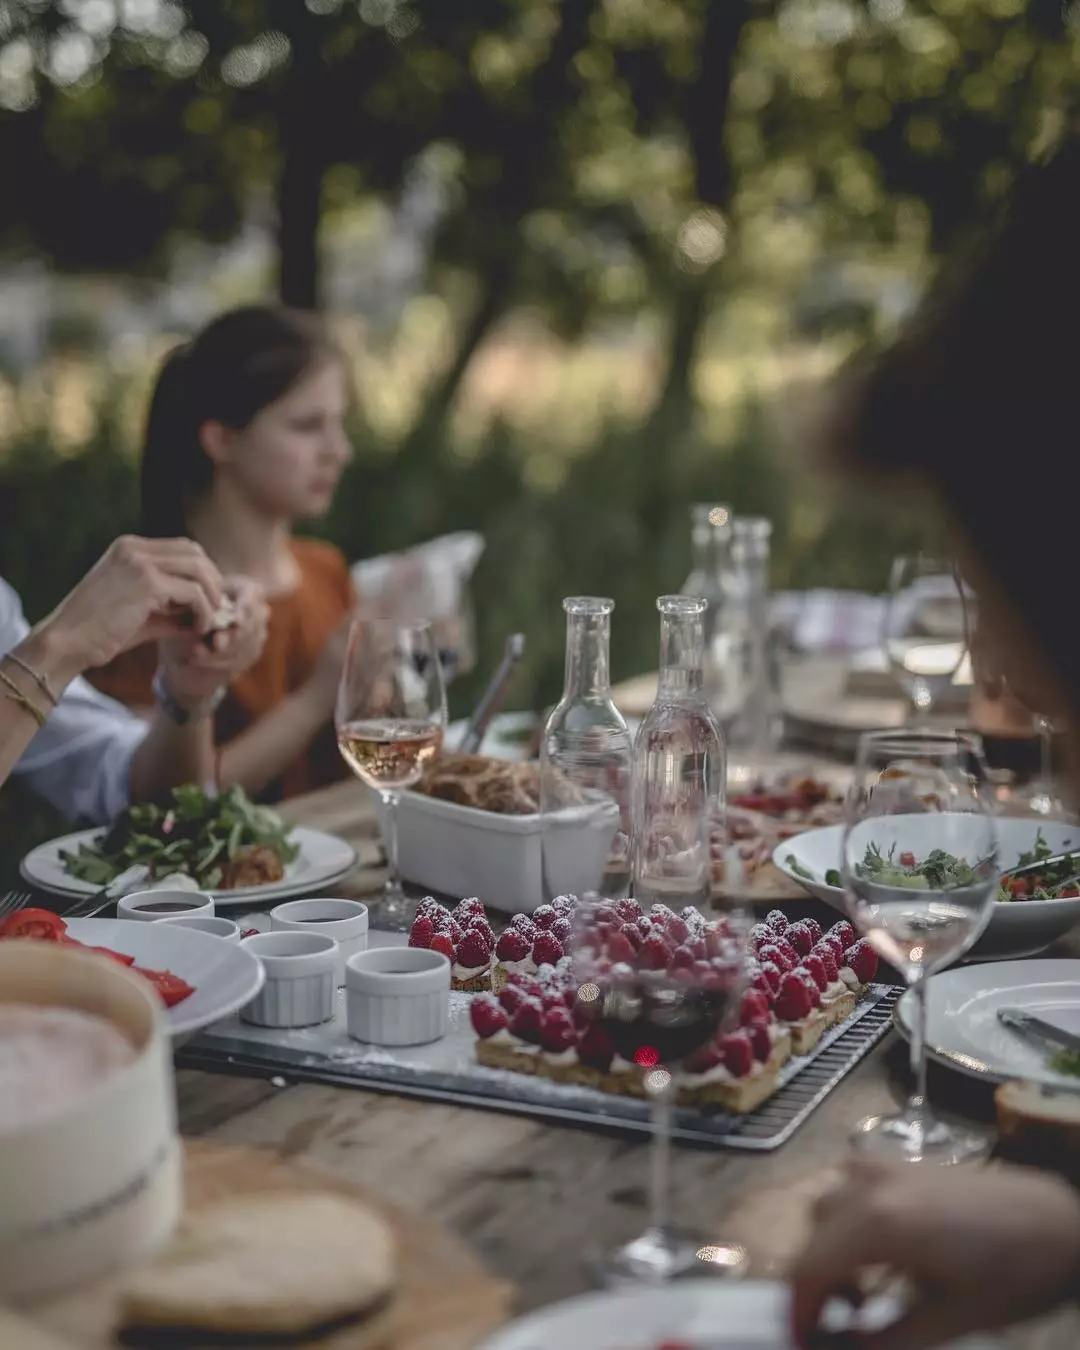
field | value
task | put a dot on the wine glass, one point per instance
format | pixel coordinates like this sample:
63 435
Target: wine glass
391 713
1042 795
925 629
920 871
647 1010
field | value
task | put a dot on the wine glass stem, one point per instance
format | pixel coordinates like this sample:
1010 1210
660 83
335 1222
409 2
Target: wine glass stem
918 1103
661 1098
390 836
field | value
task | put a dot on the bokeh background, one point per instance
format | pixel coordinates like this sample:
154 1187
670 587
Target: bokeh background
591 260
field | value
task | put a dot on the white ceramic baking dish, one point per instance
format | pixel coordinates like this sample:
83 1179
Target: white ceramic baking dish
462 851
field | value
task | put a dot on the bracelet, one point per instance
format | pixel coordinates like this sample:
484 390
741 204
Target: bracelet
16 695
35 675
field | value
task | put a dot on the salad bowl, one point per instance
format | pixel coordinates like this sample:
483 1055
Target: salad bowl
1016 927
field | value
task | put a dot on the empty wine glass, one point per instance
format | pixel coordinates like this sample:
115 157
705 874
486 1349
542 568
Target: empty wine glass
391 713
925 629
646 1009
920 871
1041 795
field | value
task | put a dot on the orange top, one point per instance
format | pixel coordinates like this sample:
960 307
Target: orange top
300 624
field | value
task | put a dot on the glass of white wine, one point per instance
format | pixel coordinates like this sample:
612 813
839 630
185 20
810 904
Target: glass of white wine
920 872
925 628
391 714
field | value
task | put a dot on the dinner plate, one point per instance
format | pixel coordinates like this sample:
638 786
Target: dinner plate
1016 927
702 1315
224 975
323 860
963 1032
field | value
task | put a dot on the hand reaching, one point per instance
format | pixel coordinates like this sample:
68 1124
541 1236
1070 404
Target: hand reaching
196 667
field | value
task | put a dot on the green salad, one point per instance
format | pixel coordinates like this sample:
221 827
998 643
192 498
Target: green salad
938 871
219 841
1048 885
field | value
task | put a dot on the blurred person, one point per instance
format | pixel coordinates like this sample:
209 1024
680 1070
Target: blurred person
245 436
86 754
976 401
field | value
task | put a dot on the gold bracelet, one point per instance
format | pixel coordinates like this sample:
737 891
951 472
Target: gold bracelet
36 675
16 695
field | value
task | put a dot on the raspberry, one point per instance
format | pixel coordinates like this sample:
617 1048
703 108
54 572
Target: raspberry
547 950
676 931
777 920
787 948
456 931
811 985
761 935
524 924
824 952
699 949
487 1016
595 1049
528 984
760 1040
481 929
773 954
526 1021
738 1053
703 972
760 982
708 1057
863 960
564 904
465 910
511 998
800 937
655 954
644 928
682 958
834 945
660 915
754 1008
629 911
441 919
562 928
544 917
430 908
443 942
793 1002
773 974
423 930
471 952
557 1030
619 947
844 931
512 946
816 968
815 929
605 914
632 935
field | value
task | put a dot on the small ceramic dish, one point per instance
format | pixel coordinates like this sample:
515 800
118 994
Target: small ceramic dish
346 921
301 979
149 906
213 924
397 996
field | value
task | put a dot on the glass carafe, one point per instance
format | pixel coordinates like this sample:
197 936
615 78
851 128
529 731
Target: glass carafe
710 580
753 677
586 763
680 768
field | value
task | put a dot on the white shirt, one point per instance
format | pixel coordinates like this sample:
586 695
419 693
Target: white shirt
80 760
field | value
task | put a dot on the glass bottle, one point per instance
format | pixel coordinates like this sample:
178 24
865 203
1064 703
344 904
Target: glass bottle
754 677
586 764
680 768
710 580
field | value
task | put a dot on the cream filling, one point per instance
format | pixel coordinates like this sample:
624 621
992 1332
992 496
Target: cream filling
833 992
567 1056
526 966
849 978
468 972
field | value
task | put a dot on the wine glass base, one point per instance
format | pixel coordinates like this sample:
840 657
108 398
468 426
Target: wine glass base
661 1255
918 1139
395 911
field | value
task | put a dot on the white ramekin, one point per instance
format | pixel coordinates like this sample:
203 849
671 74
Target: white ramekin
301 979
100 1186
214 924
346 921
134 906
397 996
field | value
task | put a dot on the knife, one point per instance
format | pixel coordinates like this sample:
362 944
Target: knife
1034 1028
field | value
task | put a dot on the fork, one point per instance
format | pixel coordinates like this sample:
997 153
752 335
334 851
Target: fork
121 885
14 901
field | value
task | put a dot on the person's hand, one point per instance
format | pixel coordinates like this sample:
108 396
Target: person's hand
140 590
981 1249
195 668
323 684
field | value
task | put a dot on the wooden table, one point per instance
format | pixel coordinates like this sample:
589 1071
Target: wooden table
531 1197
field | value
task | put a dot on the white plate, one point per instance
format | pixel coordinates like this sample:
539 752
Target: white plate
225 976
1016 928
709 1315
963 1032
323 860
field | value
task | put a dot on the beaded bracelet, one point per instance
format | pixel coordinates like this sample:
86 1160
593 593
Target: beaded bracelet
16 695
36 675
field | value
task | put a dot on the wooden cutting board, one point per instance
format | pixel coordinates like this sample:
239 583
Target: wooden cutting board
446 1300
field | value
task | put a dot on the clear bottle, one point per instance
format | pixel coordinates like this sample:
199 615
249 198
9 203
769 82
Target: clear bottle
754 678
710 580
586 765
680 768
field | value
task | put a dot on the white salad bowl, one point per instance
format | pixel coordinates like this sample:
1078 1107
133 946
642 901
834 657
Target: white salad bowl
1016 927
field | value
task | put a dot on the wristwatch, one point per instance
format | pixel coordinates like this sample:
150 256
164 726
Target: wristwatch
175 711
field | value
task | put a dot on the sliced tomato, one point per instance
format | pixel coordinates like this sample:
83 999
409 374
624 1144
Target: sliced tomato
907 859
42 924
171 988
122 957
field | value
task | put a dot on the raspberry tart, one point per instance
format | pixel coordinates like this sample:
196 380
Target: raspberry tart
463 935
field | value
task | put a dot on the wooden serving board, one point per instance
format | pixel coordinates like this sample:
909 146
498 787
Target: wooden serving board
446 1300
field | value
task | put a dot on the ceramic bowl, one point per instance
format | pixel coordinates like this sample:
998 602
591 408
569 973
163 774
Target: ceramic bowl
397 996
301 979
213 924
346 921
149 906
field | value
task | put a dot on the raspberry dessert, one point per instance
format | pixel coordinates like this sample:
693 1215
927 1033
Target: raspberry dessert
463 935
534 940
